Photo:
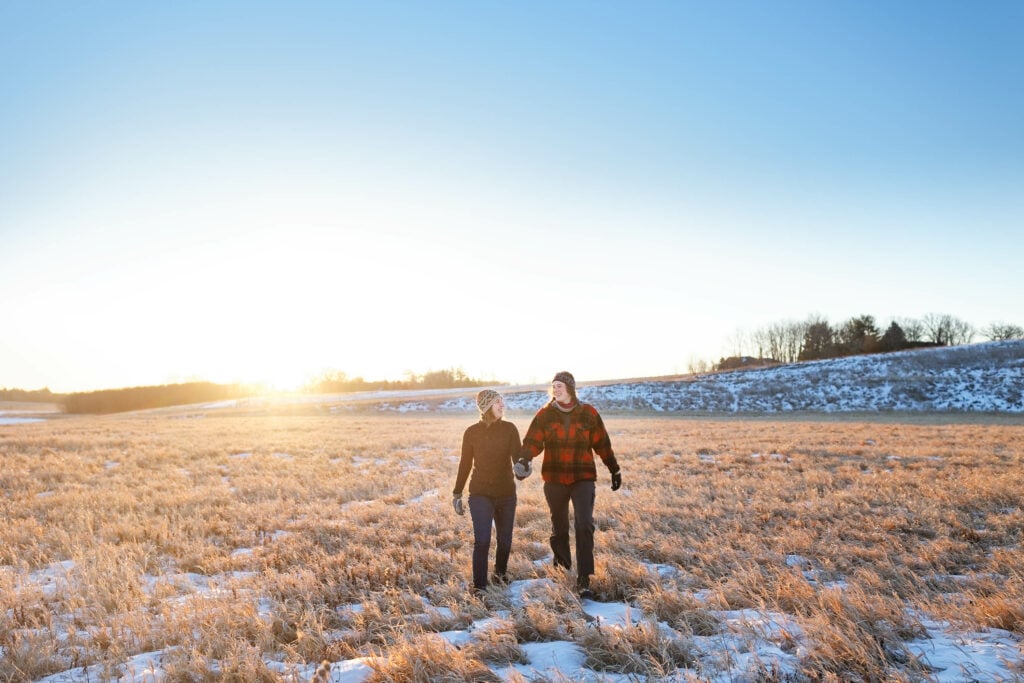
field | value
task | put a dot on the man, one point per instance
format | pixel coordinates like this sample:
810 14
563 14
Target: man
569 433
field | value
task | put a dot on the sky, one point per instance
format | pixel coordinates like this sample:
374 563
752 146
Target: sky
263 192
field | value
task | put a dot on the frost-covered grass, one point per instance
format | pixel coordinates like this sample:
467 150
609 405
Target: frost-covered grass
243 548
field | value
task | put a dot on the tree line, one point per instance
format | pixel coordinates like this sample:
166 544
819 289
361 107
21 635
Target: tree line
144 398
337 382
107 401
24 395
816 339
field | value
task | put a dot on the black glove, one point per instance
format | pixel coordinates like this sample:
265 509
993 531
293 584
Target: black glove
616 480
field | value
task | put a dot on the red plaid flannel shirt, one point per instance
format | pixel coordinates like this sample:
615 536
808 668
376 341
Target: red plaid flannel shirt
569 441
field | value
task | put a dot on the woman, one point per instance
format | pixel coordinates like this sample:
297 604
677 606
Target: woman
489 448
569 433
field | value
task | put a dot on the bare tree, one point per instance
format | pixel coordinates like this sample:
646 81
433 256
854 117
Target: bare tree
961 332
793 340
760 343
1003 331
935 328
779 341
775 335
913 329
947 330
737 344
697 366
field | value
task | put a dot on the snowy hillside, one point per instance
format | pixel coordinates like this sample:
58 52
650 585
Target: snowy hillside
976 378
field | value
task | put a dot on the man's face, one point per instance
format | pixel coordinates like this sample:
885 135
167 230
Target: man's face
560 392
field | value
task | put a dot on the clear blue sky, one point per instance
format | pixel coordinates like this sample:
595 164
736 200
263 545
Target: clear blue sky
261 191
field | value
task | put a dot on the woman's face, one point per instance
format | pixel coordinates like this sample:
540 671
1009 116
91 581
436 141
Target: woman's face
560 392
498 408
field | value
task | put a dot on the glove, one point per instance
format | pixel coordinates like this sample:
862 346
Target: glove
522 469
616 480
460 509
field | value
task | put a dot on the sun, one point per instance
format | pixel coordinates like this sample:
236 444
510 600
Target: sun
281 376
271 367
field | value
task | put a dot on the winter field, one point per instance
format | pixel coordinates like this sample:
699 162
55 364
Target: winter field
253 541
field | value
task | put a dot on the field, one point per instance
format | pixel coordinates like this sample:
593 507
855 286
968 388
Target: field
227 547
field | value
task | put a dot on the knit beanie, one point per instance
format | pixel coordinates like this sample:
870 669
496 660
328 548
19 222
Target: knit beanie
485 399
567 379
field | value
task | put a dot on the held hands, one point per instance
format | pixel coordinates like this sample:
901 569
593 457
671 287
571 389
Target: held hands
616 480
460 509
522 469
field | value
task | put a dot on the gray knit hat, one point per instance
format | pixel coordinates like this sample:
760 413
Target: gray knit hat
485 399
567 379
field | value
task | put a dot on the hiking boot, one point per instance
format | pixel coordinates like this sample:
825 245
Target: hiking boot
583 588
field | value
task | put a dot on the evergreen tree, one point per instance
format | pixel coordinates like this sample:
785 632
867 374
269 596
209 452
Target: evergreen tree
819 341
858 335
894 338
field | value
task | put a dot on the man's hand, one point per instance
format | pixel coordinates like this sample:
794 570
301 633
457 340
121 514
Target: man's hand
616 480
460 509
522 469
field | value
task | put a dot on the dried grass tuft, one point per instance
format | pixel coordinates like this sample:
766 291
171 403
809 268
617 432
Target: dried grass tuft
637 649
680 610
429 658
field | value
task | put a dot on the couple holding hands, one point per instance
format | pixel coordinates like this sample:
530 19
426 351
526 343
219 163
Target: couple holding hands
569 433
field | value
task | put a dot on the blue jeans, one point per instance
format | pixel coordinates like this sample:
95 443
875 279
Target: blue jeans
581 494
501 512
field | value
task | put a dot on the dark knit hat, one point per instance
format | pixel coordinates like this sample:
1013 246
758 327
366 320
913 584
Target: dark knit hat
567 379
485 399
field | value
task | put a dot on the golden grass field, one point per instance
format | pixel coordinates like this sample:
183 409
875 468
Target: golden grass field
282 520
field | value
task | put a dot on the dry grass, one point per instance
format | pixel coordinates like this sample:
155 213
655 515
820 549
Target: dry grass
300 538
640 649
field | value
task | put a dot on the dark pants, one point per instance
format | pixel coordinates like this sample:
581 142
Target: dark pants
501 512
581 494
